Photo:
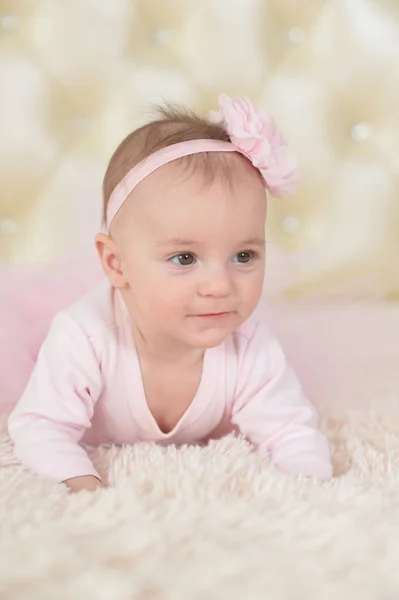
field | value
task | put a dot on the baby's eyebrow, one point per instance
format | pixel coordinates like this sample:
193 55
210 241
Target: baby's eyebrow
176 242
257 241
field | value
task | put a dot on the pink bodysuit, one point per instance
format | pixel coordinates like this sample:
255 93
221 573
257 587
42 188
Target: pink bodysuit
87 387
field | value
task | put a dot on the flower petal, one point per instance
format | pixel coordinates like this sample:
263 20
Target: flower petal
256 135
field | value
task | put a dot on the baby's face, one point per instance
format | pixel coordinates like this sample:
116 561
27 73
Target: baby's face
193 254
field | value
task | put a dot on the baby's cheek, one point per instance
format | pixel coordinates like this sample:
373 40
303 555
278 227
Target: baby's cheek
176 301
252 289
165 298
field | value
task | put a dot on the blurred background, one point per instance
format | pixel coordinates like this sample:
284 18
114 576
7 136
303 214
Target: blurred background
77 76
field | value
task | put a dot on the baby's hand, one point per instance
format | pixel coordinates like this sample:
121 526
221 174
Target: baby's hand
84 483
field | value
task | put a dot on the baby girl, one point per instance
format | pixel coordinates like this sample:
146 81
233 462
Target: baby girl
173 347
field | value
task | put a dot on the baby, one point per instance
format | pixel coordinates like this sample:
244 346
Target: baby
174 347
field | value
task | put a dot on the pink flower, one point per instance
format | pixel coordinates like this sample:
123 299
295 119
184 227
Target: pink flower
256 136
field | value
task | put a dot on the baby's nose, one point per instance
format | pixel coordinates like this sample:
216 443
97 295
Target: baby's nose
215 282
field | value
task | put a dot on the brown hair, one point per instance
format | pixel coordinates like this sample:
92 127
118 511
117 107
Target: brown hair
173 125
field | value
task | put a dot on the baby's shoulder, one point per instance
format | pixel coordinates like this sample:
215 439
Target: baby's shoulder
94 312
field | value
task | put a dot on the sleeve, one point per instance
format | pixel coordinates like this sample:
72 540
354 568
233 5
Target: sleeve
271 410
57 405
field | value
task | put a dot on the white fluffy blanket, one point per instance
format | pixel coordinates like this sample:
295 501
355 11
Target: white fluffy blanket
210 523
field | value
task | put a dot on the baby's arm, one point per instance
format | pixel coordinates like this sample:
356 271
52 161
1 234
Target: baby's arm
57 407
87 483
271 410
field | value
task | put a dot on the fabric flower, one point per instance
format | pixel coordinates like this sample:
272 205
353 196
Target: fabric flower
256 136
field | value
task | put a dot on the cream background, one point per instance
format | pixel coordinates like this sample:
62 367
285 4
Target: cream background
76 76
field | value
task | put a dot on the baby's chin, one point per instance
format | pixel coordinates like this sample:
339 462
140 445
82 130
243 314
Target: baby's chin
208 339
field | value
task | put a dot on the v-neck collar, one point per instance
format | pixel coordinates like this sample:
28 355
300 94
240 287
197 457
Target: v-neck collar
135 386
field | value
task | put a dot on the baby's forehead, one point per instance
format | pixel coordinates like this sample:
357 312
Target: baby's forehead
188 190
190 183
177 205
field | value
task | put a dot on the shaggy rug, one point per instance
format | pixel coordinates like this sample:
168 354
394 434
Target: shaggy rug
212 522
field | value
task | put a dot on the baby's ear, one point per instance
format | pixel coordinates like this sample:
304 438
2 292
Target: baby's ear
110 260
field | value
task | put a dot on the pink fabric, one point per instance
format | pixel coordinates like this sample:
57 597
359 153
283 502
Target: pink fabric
256 134
87 387
30 296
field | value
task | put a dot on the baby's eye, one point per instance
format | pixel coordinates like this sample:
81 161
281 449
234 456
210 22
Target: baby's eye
184 260
244 257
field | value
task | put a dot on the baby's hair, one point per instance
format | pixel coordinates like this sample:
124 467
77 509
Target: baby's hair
173 124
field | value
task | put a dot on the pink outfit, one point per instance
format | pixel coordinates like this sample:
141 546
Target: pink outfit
87 387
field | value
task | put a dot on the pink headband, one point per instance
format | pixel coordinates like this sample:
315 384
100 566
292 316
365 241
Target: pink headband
252 133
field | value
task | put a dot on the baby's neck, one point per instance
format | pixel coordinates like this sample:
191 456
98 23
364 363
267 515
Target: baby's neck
166 352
